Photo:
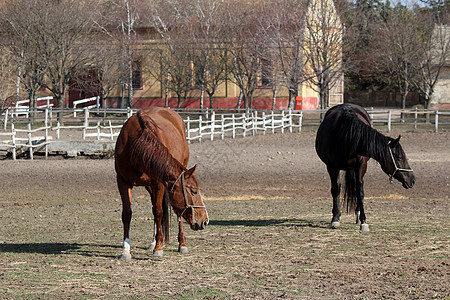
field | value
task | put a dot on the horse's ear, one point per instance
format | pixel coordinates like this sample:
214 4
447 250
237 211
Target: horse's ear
191 171
395 142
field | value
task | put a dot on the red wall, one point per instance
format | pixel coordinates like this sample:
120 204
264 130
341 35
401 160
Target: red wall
194 103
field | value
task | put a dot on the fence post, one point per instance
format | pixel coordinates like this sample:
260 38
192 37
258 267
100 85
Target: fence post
290 120
30 143
254 119
86 122
13 140
200 128
415 118
282 121
233 125
264 122
50 111
98 130
273 123
57 130
244 125
389 120
371 113
6 119
223 126
188 129
436 121
213 120
46 132
300 121
111 130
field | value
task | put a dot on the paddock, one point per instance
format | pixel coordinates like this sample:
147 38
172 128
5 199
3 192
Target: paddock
270 207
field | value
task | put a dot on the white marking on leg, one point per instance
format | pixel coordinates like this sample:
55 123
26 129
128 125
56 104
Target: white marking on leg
153 244
126 246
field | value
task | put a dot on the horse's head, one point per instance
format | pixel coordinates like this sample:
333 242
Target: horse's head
187 200
397 165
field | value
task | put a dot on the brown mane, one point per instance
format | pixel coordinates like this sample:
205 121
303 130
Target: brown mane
151 156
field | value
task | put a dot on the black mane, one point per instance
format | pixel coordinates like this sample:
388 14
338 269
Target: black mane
360 138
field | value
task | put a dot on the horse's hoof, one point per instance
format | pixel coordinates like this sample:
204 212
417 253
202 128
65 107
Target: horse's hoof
335 224
125 257
183 249
158 253
364 227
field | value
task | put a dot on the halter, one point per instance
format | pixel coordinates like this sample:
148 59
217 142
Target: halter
183 188
395 165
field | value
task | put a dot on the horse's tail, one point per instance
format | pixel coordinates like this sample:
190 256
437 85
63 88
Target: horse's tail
166 216
350 190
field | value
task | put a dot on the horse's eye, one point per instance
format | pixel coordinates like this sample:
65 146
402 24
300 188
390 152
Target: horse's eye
194 191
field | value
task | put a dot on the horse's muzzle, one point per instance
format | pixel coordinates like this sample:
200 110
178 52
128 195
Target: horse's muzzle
407 184
199 225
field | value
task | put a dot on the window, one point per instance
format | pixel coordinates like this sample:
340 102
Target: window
137 74
265 77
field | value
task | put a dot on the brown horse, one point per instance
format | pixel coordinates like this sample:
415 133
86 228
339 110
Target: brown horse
345 141
152 151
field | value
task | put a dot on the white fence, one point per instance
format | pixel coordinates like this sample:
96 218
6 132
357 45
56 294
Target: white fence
22 107
105 124
234 124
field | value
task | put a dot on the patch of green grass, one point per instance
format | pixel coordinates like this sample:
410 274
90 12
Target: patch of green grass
257 283
203 293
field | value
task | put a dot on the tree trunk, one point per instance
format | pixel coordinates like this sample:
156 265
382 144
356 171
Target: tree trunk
292 98
211 101
33 103
274 97
202 96
239 100
166 92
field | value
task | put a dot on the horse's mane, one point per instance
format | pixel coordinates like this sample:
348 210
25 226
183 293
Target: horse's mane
360 138
152 156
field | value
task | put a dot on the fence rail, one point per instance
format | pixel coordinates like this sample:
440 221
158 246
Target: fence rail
105 124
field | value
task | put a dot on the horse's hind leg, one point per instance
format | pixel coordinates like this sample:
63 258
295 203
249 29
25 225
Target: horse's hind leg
335 191
125 194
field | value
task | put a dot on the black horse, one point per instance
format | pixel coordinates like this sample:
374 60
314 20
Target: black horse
346 141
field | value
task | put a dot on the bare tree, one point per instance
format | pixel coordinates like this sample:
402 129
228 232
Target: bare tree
18 38
284 32
7 83
175 56
398 46
434 55
209 53
244 44
118 20
55 34
323 47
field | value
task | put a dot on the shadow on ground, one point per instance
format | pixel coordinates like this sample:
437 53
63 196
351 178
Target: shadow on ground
271 222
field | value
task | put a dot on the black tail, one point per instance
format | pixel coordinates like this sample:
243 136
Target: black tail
350 190
165 218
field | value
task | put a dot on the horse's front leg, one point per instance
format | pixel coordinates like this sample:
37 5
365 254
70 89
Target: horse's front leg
182 247
335 191
125 194
157 194
360 197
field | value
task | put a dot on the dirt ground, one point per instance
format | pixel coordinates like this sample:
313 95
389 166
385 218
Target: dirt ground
269 203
